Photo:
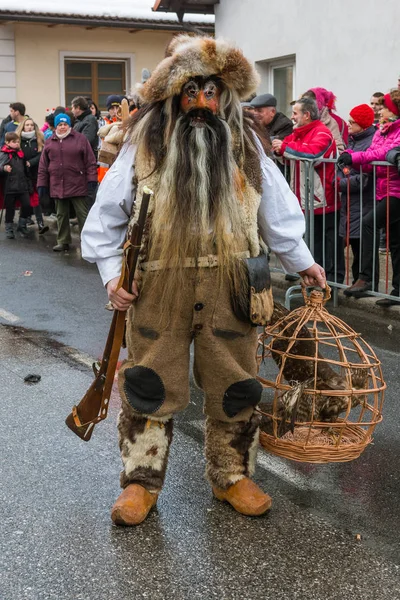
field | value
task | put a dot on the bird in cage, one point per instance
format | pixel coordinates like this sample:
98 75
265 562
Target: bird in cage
299 405
300 369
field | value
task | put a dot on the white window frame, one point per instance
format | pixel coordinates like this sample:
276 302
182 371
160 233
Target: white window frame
126 57
289 61
266 69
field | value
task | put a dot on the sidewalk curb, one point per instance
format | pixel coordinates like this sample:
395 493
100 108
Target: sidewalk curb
361 305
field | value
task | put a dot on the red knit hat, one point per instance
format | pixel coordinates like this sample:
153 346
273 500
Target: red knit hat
363 115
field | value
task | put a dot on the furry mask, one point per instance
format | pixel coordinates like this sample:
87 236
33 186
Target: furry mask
188 57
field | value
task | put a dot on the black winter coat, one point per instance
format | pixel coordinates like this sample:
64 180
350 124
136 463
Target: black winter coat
280 126
87 124
31 155
16 182
393 155
358 142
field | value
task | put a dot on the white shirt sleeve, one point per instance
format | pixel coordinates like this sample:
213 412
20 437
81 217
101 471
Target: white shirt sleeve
104 232
280 219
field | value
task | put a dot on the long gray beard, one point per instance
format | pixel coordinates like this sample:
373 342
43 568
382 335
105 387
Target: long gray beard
197 192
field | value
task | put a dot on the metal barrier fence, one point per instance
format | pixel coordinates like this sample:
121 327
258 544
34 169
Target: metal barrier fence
340 255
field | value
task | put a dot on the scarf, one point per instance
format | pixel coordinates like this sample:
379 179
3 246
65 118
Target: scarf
384 126
61 136
11 151
28 135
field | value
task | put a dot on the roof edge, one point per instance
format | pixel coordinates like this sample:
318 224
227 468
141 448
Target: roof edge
148 24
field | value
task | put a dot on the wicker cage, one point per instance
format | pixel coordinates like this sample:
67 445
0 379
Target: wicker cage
329 391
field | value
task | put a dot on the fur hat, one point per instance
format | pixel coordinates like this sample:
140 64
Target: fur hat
363 115
192 56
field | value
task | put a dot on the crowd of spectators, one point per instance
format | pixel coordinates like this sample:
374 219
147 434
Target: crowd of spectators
55 170
52 170
352 202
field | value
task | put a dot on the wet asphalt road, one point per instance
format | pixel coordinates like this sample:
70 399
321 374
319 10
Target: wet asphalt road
57 539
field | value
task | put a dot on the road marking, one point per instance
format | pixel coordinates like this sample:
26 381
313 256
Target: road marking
80 357
7 316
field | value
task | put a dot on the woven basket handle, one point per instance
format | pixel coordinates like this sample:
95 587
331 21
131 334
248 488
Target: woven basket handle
325 294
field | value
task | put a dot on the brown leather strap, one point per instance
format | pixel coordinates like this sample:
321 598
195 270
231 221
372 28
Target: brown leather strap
209 261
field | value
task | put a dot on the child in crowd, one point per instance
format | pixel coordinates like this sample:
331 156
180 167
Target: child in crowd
16 186
48 132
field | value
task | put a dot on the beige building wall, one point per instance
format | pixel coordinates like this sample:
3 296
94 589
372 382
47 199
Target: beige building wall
38 49
7 69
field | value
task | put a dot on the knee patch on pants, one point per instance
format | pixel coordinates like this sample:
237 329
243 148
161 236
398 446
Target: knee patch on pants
144 389
240 395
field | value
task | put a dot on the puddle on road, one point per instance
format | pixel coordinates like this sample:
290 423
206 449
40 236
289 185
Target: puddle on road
17 341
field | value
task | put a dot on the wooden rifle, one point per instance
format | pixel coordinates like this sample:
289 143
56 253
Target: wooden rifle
93 407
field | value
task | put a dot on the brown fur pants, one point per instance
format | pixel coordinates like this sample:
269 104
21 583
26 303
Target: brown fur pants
154 382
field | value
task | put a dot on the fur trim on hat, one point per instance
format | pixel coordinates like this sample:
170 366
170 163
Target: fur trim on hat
189 56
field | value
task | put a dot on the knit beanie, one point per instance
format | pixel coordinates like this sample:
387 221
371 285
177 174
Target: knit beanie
62 118
323 98
114 100
363 115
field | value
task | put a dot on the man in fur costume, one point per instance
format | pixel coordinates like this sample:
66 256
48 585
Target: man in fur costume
215 195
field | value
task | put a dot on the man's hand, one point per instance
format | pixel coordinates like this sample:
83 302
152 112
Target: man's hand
8 168
28 164
314 275
277 145
120 299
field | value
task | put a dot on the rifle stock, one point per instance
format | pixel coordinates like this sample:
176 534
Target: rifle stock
94 405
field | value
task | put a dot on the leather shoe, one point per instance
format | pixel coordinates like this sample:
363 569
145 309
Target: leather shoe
61 248
385 302
291 277
133 505
245 497
358 289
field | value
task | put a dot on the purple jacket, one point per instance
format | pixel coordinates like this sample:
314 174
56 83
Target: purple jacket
66 166
382 142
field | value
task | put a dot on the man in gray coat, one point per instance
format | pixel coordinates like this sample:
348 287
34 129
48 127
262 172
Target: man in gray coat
276 124
85 122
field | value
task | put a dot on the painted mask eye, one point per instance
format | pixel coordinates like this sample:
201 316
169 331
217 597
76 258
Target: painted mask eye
210 89
191 89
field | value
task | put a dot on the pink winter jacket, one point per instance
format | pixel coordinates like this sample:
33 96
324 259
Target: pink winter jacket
382 142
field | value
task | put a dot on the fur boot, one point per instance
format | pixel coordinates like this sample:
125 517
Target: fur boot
231 450
144 445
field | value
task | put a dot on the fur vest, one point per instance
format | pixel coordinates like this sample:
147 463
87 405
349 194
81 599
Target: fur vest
250 201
